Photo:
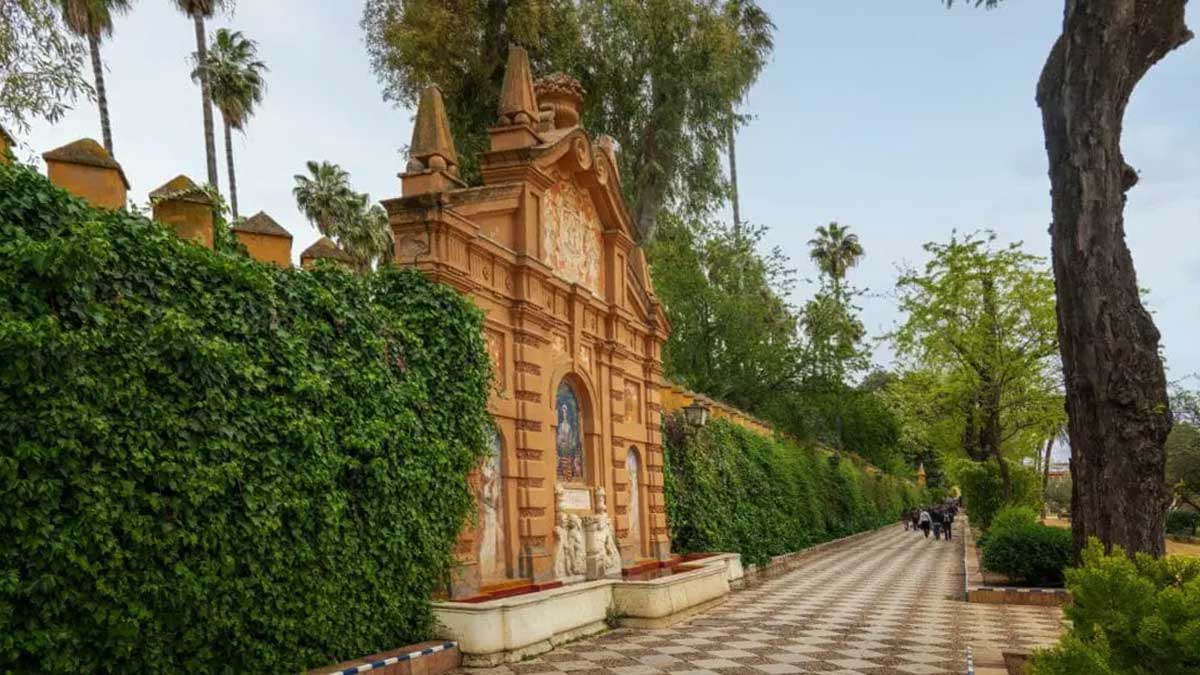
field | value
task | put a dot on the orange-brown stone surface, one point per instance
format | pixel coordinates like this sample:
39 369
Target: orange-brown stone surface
85 169
546 248
265 240
186 208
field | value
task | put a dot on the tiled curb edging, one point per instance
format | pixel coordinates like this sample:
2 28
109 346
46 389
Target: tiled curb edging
782 564
976 590
401 661
989 662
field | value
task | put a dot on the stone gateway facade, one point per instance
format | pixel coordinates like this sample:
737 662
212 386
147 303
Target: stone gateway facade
574 487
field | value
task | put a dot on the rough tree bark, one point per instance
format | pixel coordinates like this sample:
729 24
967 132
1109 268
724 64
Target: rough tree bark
1046 474
1116 388
233 209
733 185
210 143
101 92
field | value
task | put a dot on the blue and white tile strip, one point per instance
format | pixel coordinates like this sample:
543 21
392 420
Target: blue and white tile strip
391 661
970 661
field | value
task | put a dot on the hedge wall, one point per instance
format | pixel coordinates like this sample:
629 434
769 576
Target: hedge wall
209 464
729 489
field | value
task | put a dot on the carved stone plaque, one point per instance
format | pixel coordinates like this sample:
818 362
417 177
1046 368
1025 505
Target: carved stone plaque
577 499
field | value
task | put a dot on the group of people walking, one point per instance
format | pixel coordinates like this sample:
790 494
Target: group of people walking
935 518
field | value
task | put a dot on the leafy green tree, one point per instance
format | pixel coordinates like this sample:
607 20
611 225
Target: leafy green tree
235 82
40 63
325 197
663 78
733 335
1116 386
92 20
981 319
199 11
1183 448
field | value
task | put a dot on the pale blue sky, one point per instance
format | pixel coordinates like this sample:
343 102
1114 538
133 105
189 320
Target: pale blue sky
900 119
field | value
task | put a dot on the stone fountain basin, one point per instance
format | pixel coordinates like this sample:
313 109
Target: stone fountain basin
510 629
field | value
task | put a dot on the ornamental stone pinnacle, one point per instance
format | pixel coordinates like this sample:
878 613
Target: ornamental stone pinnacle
518 105
432 144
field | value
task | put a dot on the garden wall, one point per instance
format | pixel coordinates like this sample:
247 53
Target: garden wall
731 489
210 464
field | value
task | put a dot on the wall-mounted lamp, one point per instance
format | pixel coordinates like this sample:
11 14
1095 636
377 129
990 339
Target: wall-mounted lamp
696 414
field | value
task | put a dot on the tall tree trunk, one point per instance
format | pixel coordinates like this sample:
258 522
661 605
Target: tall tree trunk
1046 474
210 143
1005 477
1116 390
101 91
229 165
733 182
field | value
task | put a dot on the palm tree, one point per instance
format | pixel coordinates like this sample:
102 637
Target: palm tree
366 236
236 84
835 250
325 197
199 10
92 19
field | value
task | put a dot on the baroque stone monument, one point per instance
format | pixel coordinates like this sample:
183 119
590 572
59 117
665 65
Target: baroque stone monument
546 247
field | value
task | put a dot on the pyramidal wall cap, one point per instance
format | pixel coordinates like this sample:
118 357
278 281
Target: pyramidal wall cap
325 248
261 223
431 130
516 95
181 188
87 152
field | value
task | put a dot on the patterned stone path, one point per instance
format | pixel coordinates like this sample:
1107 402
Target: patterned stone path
888 603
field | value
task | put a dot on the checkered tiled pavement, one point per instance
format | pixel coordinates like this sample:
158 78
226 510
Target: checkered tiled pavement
888 603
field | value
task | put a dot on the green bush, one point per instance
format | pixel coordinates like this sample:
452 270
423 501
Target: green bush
1029 553
729 489
208 464
1184 523
983 490
1009 517
1136 617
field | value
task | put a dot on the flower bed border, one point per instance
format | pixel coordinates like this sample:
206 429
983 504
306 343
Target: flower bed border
976 590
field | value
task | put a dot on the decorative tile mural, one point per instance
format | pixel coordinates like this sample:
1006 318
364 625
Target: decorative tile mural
568 438
571 234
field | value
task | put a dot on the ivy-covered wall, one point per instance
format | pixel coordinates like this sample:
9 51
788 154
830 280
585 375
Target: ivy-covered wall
729 489
209 464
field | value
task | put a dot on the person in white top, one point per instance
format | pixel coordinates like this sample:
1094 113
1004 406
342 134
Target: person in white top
925 520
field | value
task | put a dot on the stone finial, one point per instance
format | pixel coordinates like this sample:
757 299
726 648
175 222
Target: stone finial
325 249
562 95
85 169
518 105
432 146
921 475
265 240
184 206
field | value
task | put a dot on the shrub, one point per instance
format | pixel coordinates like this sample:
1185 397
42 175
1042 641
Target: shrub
1184 523
1128 616
208 464
983 491
1008 517
1029 553
729 489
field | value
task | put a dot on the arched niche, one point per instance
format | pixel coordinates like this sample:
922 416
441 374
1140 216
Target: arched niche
637 504
573 421
492 552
